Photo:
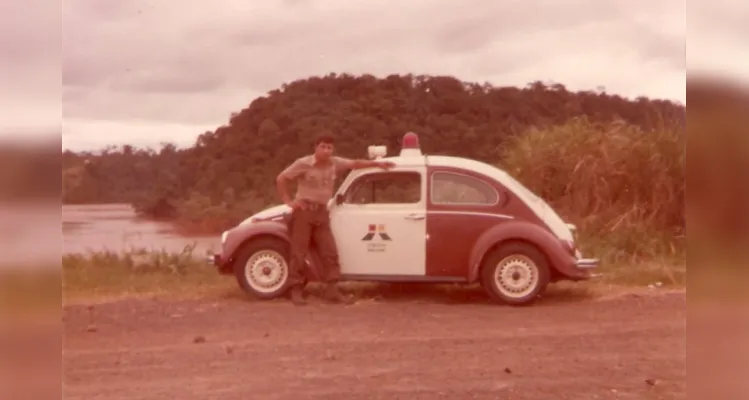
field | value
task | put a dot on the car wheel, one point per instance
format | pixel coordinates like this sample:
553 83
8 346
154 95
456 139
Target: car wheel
262 268
515 273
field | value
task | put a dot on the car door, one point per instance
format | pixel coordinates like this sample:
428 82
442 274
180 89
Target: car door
380 227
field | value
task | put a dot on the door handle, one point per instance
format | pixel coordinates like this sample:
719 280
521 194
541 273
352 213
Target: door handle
415 217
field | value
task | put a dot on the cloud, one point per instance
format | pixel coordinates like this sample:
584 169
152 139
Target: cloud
87 134
162 80
147 65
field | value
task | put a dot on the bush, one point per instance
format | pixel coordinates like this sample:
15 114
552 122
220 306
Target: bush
624 187
199 213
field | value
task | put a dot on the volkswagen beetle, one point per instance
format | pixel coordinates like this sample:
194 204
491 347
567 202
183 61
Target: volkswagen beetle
433 219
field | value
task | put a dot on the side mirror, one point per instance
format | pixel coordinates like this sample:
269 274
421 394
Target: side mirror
339 199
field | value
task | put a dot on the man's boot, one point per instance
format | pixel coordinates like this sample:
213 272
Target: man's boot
333 293
296 296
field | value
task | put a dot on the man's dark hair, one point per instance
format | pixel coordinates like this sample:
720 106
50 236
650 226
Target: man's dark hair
327 139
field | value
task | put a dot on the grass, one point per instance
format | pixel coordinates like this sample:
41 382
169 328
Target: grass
138 273
666 273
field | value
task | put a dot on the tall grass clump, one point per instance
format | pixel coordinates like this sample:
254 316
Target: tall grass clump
136 271
622 186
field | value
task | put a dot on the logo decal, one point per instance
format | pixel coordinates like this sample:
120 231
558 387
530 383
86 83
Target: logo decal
378 230
373 231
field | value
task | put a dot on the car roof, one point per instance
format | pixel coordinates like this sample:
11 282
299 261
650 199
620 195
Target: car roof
460 163
446 161
463 163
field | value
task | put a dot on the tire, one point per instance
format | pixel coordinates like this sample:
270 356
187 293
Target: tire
262 268
525 273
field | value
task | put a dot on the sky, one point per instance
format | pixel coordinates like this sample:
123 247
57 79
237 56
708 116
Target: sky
143 72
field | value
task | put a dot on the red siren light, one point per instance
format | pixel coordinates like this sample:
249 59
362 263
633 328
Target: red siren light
410 141
410 145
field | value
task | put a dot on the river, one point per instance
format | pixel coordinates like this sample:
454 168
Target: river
116 227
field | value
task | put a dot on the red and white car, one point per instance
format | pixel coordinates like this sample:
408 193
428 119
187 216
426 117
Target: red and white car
434 219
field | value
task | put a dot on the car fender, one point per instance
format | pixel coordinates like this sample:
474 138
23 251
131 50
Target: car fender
243 233
558 256
240 234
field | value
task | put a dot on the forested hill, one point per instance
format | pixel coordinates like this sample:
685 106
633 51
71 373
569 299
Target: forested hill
234 167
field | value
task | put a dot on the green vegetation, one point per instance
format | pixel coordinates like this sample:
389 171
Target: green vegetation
138 272
614 167
623 187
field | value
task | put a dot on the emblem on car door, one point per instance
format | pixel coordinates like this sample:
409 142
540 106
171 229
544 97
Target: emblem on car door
373 232
378 230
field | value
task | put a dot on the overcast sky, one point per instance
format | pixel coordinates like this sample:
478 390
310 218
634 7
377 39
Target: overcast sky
146 71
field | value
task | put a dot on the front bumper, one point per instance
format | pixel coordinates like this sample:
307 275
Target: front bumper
588 263
581 268
585 267
585 263
216 261
213 259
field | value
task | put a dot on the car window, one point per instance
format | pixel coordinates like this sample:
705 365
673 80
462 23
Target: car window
385 188
453 188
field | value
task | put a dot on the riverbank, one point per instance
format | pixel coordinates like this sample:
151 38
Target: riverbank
117 228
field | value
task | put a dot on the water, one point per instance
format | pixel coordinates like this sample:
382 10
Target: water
115 227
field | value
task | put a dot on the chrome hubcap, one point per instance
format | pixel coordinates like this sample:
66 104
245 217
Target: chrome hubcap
266 271
516 276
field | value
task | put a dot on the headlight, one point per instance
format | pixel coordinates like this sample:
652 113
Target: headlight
223 236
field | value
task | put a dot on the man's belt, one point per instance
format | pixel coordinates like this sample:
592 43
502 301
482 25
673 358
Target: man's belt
312 205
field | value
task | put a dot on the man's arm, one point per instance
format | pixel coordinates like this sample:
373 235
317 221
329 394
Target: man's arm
346 164
372 163
283 190
291 172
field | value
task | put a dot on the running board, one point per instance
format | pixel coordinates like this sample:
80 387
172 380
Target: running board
403 278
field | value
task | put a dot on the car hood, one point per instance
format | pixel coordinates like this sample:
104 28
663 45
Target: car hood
269 212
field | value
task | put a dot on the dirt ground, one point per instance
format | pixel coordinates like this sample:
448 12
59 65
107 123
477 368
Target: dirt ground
631 346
